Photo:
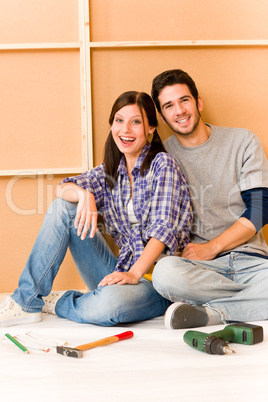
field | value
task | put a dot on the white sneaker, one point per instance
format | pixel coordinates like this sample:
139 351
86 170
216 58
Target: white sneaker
51 301
11 313
181 315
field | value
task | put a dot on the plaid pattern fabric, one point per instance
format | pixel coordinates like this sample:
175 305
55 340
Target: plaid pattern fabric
161 203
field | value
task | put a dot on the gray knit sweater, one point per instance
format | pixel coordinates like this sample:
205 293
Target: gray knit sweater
230 161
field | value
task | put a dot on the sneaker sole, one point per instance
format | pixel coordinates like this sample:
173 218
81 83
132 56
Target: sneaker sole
187 317
28 320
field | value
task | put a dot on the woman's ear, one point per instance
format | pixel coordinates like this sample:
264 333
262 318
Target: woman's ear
150 134
151 130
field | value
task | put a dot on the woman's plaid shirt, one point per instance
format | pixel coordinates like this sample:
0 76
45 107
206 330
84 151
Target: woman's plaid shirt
161 203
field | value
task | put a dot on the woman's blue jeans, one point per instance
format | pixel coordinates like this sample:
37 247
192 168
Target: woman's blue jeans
93 258
235 285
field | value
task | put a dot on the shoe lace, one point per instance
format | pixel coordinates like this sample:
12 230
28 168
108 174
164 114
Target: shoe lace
7 304
10 304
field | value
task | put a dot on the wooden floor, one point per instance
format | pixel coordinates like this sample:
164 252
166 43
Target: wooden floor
155 365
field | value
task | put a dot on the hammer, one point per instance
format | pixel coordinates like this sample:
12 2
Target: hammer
78 351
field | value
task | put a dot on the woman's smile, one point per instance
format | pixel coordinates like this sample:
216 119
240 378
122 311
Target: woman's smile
130 130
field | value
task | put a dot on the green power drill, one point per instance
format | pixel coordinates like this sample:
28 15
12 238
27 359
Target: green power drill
216 342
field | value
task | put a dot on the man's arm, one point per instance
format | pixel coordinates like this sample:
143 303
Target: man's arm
239 233
250 222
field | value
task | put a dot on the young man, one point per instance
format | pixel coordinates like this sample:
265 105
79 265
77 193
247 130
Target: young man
222 274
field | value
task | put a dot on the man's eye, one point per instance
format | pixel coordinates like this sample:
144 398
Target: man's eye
188 99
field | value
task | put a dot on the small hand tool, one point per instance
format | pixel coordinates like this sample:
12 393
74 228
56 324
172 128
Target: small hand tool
17 343
216 342
78 351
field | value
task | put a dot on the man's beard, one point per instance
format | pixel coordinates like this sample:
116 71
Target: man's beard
178 131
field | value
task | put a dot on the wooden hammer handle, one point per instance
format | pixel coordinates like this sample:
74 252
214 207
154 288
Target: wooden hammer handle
106 341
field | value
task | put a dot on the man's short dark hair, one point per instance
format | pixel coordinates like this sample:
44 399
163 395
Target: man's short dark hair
172 77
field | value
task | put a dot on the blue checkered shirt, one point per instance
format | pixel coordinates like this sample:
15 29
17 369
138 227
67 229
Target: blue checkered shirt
161 203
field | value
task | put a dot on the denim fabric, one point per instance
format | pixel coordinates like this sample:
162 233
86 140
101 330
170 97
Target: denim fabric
93 258
236 284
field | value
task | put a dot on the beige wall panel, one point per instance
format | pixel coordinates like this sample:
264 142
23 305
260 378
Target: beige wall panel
40 109
34 21
129 20
24 202
233 83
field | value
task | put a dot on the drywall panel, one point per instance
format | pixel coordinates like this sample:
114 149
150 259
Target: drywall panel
24 201
40 109
233 83
28 21
129 20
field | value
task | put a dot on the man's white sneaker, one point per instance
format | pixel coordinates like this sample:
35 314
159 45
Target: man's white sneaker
181 315
51 301
11 313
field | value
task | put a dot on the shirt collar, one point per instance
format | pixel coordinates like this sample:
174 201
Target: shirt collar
122 168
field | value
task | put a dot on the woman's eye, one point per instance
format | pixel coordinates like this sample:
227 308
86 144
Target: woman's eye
136 122
118 120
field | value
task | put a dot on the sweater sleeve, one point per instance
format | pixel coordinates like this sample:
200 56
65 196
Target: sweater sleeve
256 201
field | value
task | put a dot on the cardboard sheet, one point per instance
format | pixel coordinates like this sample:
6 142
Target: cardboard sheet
154 365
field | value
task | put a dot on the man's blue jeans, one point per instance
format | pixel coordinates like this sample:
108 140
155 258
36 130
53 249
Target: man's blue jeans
235 285
93 258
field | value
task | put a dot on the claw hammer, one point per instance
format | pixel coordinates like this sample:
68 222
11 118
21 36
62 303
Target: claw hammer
78 351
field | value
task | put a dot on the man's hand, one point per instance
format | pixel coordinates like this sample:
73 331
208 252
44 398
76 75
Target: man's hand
200 252
239 233
121 278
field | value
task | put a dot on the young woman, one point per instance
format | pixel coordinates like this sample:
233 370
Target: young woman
144 200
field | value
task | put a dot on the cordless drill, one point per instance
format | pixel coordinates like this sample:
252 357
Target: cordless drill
216 342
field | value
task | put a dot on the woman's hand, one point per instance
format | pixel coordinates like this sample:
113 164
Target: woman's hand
86 214
150 254
121 278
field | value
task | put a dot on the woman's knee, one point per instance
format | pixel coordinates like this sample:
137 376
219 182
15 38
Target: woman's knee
61 211
59 206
